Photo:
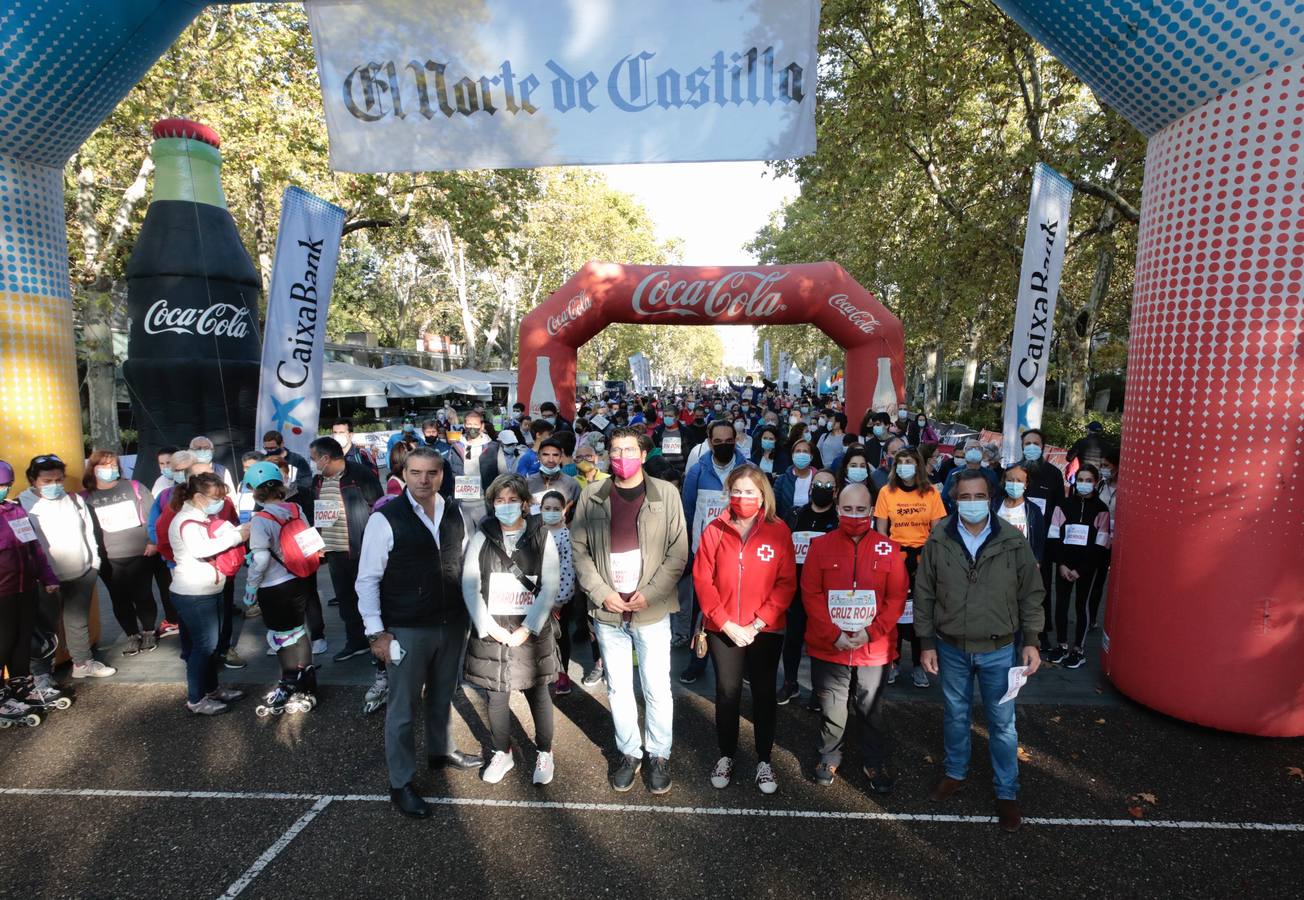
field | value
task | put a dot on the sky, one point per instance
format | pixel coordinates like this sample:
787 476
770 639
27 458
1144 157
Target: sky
713 209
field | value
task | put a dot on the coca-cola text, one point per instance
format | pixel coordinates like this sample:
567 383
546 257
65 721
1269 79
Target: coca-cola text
863 320
724 298
218 320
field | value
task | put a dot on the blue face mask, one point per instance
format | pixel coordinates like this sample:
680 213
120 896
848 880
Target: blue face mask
179 477
880 431
1084 487
4 491
52 491
767 443
856 476
972 511
107 474
801 459
1032 452
551 516
549 470
213 507
1014 489
973 456
203 456
507 513
906 470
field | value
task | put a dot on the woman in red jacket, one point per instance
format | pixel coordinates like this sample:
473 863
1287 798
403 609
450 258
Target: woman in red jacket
853 587
745 574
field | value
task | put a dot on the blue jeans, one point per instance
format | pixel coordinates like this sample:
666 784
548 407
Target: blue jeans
958 670
200 623
652 643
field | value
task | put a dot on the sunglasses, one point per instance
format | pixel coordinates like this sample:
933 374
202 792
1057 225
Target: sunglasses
45 459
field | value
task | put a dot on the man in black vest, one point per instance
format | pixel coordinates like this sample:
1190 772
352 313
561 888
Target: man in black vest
410 596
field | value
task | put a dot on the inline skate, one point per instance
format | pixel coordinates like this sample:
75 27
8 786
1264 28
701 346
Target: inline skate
291 695
40 693
377 694
15 712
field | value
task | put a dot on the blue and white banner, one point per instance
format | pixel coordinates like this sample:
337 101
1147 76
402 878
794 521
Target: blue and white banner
307 249
410 85
1034 319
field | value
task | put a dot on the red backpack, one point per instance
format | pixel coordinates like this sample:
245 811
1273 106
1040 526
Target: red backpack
229 561
301 544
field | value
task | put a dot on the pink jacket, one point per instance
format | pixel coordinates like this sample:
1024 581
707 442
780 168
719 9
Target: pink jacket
21 564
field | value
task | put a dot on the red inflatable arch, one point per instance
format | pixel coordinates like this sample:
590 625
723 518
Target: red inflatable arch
820 294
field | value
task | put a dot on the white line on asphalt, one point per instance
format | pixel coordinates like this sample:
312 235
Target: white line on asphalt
741 812
273 851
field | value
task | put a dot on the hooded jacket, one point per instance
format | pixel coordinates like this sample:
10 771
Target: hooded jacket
66 532
740 580
22 563
837 563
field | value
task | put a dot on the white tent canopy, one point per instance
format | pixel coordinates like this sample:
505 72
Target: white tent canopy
346 380
409 381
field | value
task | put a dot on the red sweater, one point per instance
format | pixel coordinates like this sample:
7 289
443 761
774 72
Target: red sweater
741 581
836 563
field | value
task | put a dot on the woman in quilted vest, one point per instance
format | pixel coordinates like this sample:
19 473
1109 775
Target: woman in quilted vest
509 583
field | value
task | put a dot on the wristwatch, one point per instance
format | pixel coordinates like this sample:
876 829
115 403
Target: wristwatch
371 638
758 625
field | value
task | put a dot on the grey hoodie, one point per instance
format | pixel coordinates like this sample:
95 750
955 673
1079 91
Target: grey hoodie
265 569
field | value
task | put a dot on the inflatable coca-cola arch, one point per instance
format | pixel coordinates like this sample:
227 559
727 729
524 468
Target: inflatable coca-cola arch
819 294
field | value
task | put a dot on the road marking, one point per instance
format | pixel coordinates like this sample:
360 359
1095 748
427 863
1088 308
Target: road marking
322 800
273 851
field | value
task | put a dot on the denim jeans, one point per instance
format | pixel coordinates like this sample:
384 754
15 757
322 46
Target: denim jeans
652 643
200 622
958 670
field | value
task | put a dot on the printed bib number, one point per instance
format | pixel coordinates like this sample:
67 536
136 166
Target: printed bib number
801 544
1076 535
908 616
672 445
467 487
852 610
120 516
507 596
325 513
22 529
1041 503
709 506
310 541
626 569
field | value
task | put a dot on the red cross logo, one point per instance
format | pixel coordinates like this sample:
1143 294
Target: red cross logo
765 552
883 548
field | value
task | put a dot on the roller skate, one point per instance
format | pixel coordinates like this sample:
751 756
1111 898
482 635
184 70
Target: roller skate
276 701
14 712
377 694
305 691
41 692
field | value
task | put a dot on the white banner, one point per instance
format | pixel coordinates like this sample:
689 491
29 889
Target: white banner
409 85
1043 260
767 360
785 362
307 249
640 372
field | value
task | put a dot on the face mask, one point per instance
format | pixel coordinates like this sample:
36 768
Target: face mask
805 409
203 456
213 507
821 494
903 413
723 453
52 491
507 513
1106 474
794 420
409 427
699 422
4 491
1014 489
692 404
625 468
921 422
551 516
744 507
973 455
906 471
880 431
345 442
717 407
471 433
800 459
314 467
1084 487
854 526
740 425
179 477
106 473
767 443
857 475
1032 452
551 420
549 470
746 408
972 511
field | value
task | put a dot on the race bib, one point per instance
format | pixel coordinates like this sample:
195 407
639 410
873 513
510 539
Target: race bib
310 541
801 543
852 610
1041 503
1076 535
709 506
467 487
22 529
672 445
626 569
908 617
120 516
325 513
507 596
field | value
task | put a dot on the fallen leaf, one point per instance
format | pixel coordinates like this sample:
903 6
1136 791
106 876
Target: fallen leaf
929 760
1075 755
1100 721
1100 690
1056 719
1024 755
1137 812
1295 772
1148 798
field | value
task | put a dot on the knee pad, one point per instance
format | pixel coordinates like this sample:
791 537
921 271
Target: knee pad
282 639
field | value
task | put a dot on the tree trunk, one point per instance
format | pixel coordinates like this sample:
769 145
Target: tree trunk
97 344
970 376
1079 324
931 356
262 240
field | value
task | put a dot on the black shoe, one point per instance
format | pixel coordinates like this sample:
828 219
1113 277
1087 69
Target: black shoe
333 601
1075 660
688 676
824 774
658 780
455 760
623 778
881 780
786 693
1057 655
350 651
409 802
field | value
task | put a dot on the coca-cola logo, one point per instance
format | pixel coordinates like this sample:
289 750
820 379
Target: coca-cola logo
743 294
218 320
578 306
863 320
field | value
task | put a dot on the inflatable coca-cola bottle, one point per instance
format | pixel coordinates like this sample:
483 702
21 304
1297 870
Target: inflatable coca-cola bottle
193 352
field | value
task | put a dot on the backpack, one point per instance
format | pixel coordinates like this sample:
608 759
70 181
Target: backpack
301 544
230 560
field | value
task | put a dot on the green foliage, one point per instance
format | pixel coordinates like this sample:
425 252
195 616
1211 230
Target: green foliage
1059 428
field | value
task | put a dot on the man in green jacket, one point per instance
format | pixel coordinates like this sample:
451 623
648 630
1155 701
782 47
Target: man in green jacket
630 547
978 595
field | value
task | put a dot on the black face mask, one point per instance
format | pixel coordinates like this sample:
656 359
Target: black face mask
471 433
821 494
699 422
723 453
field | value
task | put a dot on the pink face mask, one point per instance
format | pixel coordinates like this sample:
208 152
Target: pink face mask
625 468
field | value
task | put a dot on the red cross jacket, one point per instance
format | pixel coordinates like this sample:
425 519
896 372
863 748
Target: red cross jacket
740 581
835 563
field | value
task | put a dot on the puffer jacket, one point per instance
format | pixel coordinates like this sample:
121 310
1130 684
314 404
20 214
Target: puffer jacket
22 564
359 489
740 580
977 604
836 563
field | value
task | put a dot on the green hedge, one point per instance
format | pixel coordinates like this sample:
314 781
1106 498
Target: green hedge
1060 429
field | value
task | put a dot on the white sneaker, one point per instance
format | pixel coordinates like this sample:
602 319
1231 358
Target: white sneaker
543 768
92 669
207 707
319 646
765 779
722 773
500 765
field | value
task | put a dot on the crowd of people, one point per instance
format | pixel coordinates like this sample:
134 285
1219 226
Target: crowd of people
747 524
